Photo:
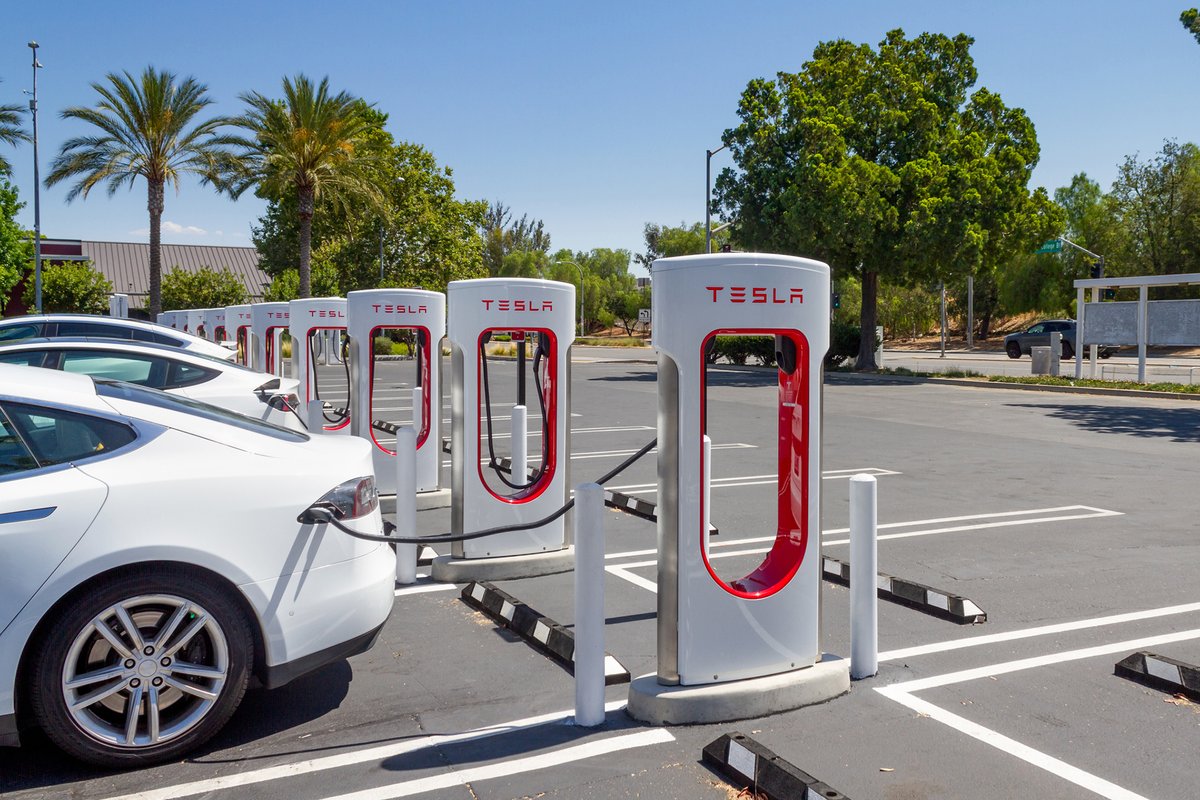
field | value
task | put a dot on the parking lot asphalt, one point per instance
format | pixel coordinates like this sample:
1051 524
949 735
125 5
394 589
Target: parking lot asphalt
1068 519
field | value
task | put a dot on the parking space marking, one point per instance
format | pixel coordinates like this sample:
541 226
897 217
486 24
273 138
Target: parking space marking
903 693
622 453
757 480
351 758
1011 518
423 585
514 766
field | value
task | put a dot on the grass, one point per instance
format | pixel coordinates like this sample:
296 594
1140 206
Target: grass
1042 380
616 341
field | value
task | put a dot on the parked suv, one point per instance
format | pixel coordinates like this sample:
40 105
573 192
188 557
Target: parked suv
1038 335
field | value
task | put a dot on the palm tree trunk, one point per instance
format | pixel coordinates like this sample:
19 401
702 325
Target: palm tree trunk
154 204
306 216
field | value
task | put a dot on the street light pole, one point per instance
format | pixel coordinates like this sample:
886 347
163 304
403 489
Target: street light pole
37 194
708 154
582 327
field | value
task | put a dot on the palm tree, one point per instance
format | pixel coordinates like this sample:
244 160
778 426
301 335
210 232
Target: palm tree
311 143
11 132
146 131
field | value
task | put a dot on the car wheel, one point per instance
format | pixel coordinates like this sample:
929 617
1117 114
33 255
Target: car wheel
1013 349
1067 350
1106 353
141 669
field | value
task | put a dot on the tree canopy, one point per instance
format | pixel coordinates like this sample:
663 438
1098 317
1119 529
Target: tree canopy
11 132
16 245
882 163
202 288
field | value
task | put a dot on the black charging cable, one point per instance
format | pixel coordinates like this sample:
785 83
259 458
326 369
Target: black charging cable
312 363
327 514
539 356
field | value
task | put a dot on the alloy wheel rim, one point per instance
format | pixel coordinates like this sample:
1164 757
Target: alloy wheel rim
145 671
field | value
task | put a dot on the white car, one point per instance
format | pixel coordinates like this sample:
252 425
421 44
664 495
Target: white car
54 325
184 372
155 552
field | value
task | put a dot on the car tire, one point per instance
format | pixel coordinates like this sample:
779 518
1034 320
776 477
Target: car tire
1013 349
123 643
1106 353
1067 350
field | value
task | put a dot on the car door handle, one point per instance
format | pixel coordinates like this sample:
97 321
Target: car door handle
28 515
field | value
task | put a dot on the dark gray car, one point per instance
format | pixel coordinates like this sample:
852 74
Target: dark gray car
1038 335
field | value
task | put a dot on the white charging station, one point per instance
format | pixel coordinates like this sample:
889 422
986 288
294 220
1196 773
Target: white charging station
193 322
171 319
214 324
480 310
372 313
268 321
311 322
753 639
237 329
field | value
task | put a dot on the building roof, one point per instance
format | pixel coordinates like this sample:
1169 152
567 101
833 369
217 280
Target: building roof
127 265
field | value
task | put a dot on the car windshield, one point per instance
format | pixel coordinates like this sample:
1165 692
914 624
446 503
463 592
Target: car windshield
184 405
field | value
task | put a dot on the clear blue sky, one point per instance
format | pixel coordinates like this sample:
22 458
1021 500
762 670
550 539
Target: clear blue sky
591 116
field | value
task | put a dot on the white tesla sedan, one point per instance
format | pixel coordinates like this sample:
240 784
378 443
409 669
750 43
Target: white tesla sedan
54 325
188 373
155 552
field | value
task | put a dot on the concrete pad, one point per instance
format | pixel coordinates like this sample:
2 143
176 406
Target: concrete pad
503 568
651 702
426 501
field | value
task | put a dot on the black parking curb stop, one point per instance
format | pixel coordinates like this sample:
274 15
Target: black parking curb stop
909 593
751 766
642 509
1160 672
541 633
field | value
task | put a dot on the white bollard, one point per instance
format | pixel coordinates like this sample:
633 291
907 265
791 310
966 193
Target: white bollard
864 568
520 446
406 503
316 417
707 466
589 605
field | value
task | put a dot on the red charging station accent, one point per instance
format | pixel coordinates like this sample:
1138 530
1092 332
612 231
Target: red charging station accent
791 535
548 398
243 344
269 345
426 371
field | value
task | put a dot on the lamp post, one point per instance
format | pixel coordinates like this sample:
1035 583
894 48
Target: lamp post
708 154
37 195
582 328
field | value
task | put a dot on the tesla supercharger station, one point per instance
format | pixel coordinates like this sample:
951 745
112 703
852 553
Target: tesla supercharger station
193 321
312 322
726 632
172 319
237 329
268 321
372 313
214 324
478 311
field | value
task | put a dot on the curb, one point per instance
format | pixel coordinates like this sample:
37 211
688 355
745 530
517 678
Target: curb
754 768
850 377
642 509
1160 672
909 593
541 633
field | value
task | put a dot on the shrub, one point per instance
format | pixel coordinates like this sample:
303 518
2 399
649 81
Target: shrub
71 287
382 346
843 343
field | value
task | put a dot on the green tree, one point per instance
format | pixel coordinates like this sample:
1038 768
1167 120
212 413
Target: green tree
203 288
73 287
312 145
16 248
11 132
1190 20
286 285
503 237
880 163
624 306
1157 204
664 241
145 130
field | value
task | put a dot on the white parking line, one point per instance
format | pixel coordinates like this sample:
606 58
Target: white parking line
514 766
903 693
621 453
756 480
351 758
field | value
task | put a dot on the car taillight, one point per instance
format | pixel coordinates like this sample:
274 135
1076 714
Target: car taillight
352 499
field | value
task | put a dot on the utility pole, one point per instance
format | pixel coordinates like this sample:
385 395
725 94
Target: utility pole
37 194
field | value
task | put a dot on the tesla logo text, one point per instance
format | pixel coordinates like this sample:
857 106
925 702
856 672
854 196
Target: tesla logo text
326 314
277 315
388 308
520 305
757 294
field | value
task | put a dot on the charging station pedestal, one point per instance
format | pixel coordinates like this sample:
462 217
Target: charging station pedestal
172 319
372 313
738 648
311 322
479 310
194 322
214 324
268 321
237 330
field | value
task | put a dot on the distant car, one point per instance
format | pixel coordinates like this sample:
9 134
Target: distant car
55 325
156 552
171 369
1038 335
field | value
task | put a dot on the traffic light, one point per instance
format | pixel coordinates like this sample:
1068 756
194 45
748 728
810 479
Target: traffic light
837 300
1110 294
1097 269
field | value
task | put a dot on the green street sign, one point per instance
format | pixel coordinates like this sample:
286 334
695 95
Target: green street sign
1050 246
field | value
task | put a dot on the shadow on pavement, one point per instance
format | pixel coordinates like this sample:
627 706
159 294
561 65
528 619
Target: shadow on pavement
1176 424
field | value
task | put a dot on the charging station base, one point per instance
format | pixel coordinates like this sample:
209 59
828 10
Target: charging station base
656 704
425 501
448 569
